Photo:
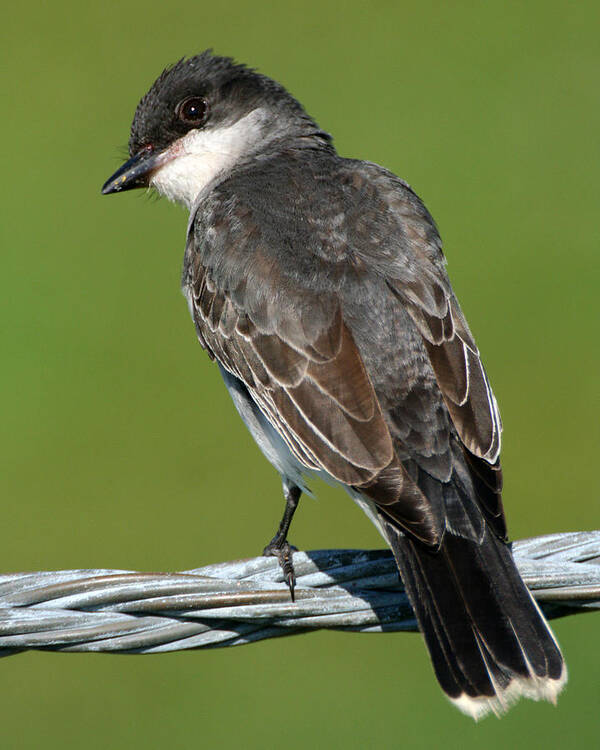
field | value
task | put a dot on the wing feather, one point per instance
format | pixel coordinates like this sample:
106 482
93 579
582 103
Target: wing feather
459 371
308 378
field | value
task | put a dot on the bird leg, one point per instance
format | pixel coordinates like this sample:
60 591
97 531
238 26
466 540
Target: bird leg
278 546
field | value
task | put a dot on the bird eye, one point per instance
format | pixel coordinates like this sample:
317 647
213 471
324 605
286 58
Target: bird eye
193 110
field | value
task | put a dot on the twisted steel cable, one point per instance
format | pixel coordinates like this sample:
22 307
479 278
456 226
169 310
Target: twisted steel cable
239 602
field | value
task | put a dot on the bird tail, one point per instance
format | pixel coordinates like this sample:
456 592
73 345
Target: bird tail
488 641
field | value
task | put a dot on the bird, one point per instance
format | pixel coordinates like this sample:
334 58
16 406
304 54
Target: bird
319 287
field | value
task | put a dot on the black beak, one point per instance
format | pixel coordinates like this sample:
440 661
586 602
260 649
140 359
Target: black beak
135 173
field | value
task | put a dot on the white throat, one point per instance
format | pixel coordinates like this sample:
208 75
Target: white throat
201 155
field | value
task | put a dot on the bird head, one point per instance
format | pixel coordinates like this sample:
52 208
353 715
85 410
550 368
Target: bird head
201 118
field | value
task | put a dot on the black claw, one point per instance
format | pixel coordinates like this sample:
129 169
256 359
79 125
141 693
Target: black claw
283 551
291 585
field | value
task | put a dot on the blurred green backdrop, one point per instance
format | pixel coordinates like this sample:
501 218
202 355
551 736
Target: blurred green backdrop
120 447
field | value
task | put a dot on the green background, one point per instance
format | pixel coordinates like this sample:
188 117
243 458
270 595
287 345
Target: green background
119 446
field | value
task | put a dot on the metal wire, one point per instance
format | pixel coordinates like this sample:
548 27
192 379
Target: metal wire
234 603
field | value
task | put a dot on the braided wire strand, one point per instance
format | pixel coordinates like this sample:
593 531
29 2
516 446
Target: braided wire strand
239 602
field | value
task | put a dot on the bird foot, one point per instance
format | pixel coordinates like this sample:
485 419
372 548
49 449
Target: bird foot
283 551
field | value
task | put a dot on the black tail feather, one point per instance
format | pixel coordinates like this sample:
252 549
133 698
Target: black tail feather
488 641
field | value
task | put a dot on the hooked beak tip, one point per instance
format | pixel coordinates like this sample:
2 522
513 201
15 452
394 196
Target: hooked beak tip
112 186
135 173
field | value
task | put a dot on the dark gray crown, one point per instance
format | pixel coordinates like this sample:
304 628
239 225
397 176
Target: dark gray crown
232 90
